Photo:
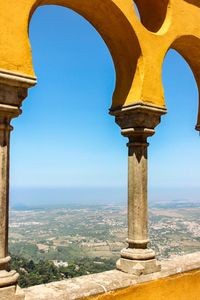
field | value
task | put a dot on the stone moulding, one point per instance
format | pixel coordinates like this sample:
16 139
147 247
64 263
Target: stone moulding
138 119
17 79
98 285
8 278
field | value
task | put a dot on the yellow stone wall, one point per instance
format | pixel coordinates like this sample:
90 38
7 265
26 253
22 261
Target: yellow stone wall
184 286
138 48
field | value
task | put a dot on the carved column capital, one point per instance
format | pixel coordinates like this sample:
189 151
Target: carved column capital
12 95
138 120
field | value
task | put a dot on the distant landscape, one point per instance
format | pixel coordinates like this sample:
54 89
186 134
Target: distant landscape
83 239
45 197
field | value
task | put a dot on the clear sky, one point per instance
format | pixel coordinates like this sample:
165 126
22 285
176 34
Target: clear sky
65 136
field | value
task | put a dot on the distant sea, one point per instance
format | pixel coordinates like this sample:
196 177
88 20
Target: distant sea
33 198
28 198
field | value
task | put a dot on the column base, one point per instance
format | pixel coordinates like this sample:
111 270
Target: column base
138 262
13 292
8 278
9 290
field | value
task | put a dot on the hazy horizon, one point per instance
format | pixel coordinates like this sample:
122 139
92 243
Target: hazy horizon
63 196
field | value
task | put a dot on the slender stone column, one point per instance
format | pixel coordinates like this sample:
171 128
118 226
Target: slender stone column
137 193
10 102
138 123
8 279
4 190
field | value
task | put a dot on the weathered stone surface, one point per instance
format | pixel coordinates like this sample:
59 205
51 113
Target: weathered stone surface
138 122
11 293
106 282
10 102
138 267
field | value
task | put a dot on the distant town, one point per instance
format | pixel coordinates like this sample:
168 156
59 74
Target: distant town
66 234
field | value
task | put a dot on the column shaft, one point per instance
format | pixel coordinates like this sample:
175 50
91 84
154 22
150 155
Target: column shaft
4 191
137 195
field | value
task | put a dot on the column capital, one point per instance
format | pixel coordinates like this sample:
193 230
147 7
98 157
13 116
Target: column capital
11 96
13 90
138 120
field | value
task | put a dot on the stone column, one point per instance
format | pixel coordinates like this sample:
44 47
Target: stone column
137 192
5 129
8 279
10 101
138 123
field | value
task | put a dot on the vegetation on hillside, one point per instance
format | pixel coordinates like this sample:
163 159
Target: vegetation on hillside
44 271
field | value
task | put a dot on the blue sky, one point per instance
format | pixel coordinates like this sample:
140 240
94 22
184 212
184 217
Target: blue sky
65 136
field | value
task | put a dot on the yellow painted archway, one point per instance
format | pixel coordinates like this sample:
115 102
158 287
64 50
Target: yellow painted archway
138 48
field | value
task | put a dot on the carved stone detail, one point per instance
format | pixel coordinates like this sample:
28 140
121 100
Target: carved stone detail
138 123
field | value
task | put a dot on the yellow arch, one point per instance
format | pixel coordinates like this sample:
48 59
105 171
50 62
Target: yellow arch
105 16
138 48
153 13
